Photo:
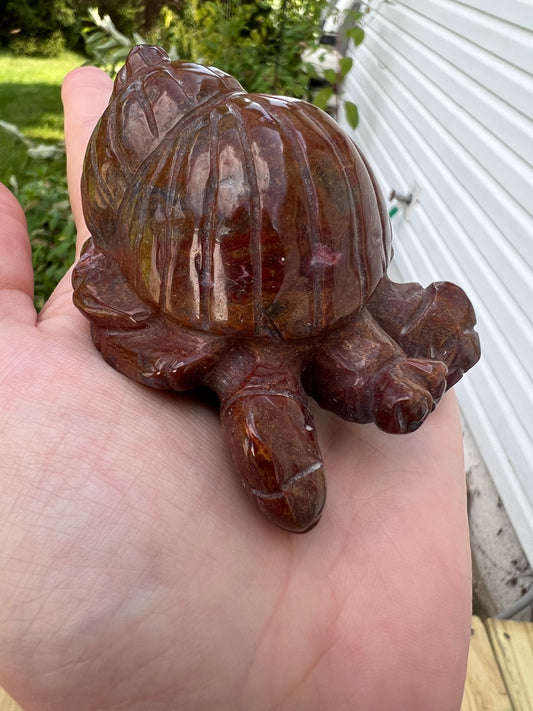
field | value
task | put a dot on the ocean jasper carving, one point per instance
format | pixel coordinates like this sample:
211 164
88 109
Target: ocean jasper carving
240 242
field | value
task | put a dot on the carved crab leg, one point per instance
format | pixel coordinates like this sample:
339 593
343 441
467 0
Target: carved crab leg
435 322
362 375
271 435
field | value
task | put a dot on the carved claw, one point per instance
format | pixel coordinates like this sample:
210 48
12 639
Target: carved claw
436 322
362 375
406 393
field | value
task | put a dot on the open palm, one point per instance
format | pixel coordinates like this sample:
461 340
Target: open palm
136 575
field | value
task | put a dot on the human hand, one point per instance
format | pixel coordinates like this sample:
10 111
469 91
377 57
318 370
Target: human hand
135 573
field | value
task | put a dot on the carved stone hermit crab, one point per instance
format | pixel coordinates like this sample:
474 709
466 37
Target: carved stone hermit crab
240 242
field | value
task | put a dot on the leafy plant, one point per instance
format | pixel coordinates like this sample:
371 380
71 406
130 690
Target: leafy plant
50 226
44 151
332 94
44 196
36 27
266 45
49 46
45 27
333 90
261 43
107 47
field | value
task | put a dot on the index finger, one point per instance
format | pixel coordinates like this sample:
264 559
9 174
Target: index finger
85 95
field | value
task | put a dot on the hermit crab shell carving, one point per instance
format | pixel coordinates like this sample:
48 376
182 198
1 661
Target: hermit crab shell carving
240 242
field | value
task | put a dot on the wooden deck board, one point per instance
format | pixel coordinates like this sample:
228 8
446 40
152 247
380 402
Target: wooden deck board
512 643
7 703
500 668
485 689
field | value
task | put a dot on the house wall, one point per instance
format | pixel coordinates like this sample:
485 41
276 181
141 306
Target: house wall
445 97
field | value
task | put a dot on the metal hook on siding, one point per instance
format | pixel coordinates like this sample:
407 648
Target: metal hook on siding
404 201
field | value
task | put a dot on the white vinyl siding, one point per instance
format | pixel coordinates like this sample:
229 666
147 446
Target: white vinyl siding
445 97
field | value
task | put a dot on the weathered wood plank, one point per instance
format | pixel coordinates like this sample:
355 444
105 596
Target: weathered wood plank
484 690
7 703
513 647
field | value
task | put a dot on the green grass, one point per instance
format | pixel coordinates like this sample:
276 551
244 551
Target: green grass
30 98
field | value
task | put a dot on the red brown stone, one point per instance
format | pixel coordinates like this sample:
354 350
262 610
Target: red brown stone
240 242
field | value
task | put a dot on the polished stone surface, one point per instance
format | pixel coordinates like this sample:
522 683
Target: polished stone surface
240 242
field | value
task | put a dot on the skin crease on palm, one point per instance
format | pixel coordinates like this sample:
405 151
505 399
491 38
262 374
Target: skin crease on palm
137 576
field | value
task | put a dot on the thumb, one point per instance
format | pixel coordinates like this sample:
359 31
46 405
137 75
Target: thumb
16 271
85 95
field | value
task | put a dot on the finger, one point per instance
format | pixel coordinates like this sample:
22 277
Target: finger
16 271
85 95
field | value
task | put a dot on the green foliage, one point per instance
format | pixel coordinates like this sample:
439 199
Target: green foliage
32 159
45 27
241 42
260 42
322 97
333 90
44 196
50 46
30 98
37 27
127 15
355 31
107 47
352 113
357 34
